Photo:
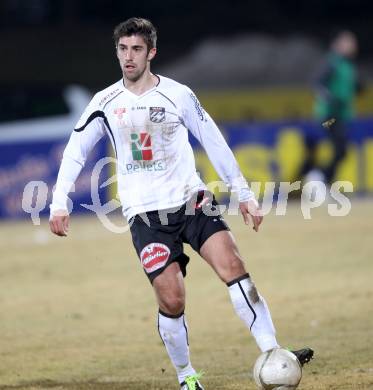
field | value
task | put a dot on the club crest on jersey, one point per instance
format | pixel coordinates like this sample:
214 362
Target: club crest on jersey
141 146
154 256
157 114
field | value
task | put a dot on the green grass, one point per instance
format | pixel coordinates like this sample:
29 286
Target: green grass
78 313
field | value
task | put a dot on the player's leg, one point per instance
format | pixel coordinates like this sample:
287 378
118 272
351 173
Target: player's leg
173 330
169 290
338 140
221 253
161 254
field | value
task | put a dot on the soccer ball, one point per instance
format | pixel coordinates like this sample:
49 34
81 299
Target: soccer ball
277 369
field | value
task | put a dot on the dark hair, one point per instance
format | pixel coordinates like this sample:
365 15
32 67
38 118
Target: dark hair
137 26
336 33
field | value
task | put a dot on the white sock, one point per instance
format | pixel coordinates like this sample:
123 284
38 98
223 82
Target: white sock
253 311
174 334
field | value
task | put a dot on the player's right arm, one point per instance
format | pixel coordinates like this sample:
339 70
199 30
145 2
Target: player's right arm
89 129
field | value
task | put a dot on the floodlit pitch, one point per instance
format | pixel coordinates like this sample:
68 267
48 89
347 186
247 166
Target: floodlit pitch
78 313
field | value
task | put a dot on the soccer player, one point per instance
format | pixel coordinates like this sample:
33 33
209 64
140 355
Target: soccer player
147 118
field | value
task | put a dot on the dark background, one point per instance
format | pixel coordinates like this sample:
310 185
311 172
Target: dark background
53 41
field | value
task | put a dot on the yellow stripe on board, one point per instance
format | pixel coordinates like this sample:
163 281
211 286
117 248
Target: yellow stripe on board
270 104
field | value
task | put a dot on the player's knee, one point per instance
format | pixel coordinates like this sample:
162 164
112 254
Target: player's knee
234 267
173 305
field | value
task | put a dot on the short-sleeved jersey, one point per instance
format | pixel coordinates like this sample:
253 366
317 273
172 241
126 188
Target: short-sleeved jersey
149 133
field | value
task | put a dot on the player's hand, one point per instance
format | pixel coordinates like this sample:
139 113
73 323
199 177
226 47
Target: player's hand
59 223
250 210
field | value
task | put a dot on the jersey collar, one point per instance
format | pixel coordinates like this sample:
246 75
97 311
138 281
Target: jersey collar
123 87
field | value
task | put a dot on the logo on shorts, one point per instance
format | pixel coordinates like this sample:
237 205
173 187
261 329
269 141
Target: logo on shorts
154 256
141 146
157 114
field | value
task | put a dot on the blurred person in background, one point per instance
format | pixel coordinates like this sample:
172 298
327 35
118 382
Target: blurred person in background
336 87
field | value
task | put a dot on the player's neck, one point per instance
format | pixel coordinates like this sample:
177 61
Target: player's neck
143 84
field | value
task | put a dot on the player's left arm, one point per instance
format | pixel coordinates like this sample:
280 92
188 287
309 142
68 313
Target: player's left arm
202 126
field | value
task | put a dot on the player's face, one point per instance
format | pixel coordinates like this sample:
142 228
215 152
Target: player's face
134 57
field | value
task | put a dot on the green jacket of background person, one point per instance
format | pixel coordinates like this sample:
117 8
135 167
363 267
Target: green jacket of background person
336 88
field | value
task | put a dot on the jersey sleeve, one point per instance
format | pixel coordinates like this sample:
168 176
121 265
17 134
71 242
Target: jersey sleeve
202 126
88 131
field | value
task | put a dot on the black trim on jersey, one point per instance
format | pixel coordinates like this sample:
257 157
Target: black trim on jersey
111 133
232 282
156 85
171 315
119 92
248 303
92 117
167 98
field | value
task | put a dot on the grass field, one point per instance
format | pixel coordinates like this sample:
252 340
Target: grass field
78 313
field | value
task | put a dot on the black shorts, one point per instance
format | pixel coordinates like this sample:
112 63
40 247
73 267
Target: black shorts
159 240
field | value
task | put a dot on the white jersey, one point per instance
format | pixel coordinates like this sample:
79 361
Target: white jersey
149 133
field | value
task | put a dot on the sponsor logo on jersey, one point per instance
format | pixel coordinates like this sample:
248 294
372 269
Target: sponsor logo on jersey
141 146
200 111
157 114
140 166
154 256
119 112
108 96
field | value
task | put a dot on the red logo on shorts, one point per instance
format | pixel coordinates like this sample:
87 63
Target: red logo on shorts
154 256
